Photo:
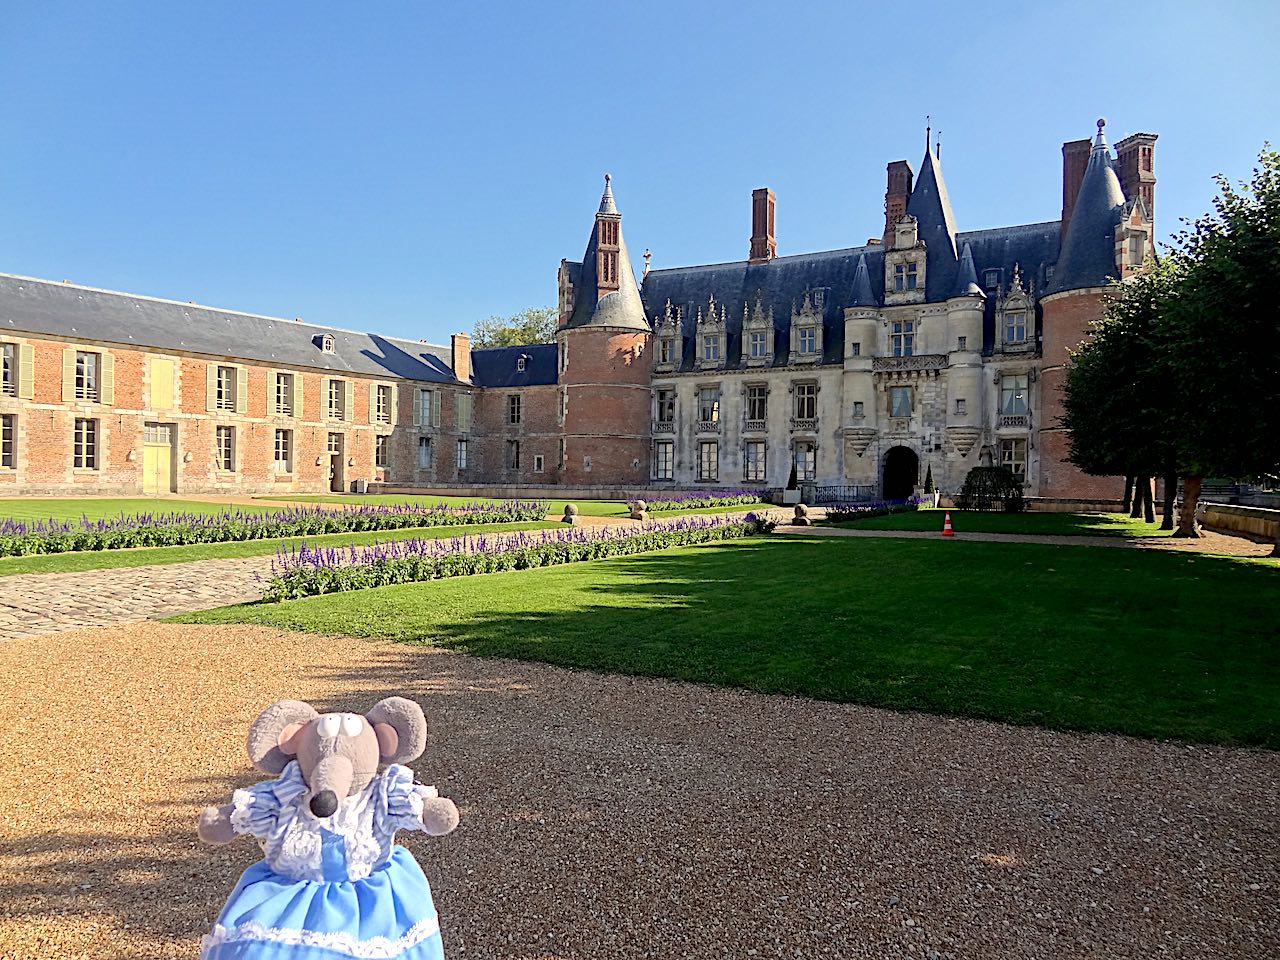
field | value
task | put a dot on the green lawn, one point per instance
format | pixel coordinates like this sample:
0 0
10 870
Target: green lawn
1047 524
1139 642
145 556
588 508
38 508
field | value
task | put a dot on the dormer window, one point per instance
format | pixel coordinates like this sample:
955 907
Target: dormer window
991 279
1014 316
1015 327
324 341
712 333
711 348
905 276
666 350
758 345
757 333
808 340
1137 249
521 363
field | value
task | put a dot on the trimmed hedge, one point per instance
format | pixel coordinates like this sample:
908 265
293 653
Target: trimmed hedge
307 572
701 498
18 539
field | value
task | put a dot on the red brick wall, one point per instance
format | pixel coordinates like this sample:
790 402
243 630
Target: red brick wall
608 419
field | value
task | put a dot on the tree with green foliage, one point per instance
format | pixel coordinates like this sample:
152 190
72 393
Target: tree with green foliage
1182 374
531 325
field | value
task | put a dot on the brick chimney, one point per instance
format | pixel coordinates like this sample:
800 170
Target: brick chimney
764 246
1136 159
461 360
897 192
1075 157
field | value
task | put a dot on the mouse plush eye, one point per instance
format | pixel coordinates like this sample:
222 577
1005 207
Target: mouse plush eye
329 725
352 724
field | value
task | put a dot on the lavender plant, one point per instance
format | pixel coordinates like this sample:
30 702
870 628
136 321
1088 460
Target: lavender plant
18 538
866 509
701 498
309 571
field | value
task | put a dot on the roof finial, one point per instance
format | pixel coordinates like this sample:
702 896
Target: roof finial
937 144
606 202
647 255
1100 140
928 133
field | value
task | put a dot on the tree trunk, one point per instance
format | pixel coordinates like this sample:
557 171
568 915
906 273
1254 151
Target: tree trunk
1190 500
1170 495
1135 509
1128 494
1149 499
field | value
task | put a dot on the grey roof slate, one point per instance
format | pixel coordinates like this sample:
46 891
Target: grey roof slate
499 366
967 279
1088 250
936 224
45 307
862 293
621 308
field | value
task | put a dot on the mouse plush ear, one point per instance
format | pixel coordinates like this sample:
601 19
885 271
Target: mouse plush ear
273 736
401 727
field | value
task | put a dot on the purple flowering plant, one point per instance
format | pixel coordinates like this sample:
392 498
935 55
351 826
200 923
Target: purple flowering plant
696 499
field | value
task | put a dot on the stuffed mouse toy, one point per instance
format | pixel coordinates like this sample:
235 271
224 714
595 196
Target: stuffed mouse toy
332 884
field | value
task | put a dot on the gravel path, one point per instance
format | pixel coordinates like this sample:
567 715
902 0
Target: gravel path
607 817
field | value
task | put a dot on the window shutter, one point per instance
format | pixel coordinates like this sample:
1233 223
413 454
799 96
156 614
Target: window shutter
26 372
434 398
348 408
161 383
373 403
69 373
107 389
298 411
394 397
242 390
324 398
417 408
211 387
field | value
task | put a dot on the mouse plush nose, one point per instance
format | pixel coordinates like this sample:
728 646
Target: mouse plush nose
324 803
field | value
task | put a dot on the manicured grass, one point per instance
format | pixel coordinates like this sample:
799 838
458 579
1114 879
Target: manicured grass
587 508
1047 524
36 508
1140 642
104 559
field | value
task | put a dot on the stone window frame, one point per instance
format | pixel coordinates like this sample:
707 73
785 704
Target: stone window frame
289 408
86 444
9 353
8 441
1013 398
804 391
224 448
859 410
1009 456
902 336
715 410
513 454
515 409
755 471
762 398
282 444
226 381
461 453
424 444
711 475
809 470
384 400
382 451
896 390
660 462
667 415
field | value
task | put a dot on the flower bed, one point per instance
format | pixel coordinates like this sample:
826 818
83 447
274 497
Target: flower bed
19 539
307 571
701 498
866 509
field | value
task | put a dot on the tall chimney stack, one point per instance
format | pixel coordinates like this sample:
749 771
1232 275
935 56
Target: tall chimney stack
1136 159
897 192
764 246
461 356
1075 157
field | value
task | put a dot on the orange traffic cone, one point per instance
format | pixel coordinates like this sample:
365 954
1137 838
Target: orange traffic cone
946 525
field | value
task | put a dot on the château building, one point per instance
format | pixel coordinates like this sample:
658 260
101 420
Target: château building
926 349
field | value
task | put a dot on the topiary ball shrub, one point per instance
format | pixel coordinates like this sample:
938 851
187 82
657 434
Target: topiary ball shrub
991 488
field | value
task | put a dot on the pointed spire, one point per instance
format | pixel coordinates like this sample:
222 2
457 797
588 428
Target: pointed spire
936 226
606 202
967 285
1088 257
605 293
862 294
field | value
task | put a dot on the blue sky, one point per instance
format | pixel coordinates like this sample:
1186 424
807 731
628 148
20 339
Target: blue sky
411 167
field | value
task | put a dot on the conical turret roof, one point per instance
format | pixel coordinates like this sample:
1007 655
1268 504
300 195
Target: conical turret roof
967 283
936 226
862 293
1088 257
620 308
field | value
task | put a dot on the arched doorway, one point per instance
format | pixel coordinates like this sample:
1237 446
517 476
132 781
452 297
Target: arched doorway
901 473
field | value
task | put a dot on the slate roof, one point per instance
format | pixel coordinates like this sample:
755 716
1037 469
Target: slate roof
1088 250
936 226
782 282
621 308
498 367
44 307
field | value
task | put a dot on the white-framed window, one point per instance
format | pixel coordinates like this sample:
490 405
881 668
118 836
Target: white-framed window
538 463
666 350
513 408
808 340
1015 327
708 460
991 278
709 404
8 369
8 441
899 401
513 454
336 402
1013 454
1013 393
666 401
224 397
462 454
521 363
806 401
758 344
424 453
283 460
1137 249
663 459
902 338
426 405
905 276
757 402
960 405
284 394
85 452
382 403
88 375
224 443
859 409
711 347
381 451
753 467
806 460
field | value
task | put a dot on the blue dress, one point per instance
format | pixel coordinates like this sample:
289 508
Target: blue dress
335 888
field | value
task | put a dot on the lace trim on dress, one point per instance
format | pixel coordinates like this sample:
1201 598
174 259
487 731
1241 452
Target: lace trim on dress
375 948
